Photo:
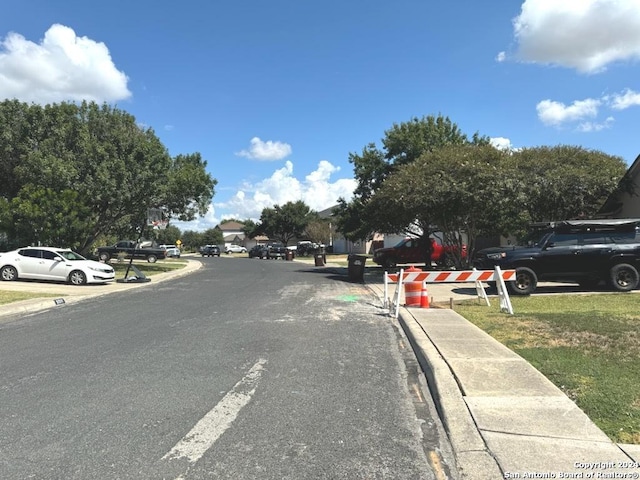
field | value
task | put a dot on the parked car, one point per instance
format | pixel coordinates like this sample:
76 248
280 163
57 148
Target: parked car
171 251
276 250
258 251
210 251
305 248
49 263
130 248
586 252
235 249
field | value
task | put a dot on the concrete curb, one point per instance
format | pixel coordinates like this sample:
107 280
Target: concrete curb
474 460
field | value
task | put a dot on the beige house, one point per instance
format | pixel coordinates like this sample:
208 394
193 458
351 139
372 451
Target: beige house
233 234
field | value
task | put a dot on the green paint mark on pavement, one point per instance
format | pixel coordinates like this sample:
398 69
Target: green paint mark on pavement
348 298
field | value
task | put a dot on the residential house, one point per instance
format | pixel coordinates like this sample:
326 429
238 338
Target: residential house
232 233
623 204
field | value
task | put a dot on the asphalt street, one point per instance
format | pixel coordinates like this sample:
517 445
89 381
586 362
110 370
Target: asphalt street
245 369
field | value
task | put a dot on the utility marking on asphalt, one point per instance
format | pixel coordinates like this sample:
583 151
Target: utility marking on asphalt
416 392
210 427
348 298
438 470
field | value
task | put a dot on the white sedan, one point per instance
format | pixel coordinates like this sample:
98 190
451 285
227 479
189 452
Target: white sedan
58 264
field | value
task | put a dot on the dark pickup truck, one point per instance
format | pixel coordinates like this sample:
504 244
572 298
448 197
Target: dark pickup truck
276 250
129 248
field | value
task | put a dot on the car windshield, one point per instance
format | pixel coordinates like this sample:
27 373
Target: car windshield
69 255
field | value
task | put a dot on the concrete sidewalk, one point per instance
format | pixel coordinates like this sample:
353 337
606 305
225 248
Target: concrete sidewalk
503 417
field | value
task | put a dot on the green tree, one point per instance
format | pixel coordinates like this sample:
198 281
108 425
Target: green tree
213 236
116 169
250 228
403 144
285 222
192 240
460 191
169 235
468 191
564 182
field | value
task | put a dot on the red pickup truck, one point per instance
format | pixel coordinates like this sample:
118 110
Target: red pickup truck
413 250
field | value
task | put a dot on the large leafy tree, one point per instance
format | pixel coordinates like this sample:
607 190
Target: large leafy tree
464 190
468 191
564 182
285 222
96 165
402 144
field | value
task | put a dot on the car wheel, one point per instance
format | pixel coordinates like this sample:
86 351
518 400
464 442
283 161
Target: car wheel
77 277
152 259
525 282
624 277
104 257
9 273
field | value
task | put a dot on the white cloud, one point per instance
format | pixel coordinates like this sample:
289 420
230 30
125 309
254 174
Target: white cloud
316 190
269 150
622 101
501 57
501 143
556 113
596 127
62 67
587 35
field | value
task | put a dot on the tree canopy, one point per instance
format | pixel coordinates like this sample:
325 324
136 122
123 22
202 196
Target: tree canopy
430 177
75 172
285 222
402 144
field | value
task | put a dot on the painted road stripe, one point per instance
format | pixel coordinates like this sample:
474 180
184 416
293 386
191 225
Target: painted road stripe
205 433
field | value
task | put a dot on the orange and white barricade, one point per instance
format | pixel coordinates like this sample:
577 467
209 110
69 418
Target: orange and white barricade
454 276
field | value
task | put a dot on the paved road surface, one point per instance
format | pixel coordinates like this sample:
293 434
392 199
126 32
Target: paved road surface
245 369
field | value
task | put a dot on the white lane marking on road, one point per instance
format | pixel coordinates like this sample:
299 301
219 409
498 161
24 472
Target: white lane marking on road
210 427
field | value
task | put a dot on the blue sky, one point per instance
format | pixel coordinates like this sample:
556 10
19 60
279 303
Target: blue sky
276 94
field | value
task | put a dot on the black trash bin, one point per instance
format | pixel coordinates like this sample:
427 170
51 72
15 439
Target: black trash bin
319 258
356 267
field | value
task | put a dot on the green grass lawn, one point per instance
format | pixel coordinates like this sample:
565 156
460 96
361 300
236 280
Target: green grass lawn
587 345
9 297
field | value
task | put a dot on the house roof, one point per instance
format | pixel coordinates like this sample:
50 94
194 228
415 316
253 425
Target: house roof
327 212
614 204
231 226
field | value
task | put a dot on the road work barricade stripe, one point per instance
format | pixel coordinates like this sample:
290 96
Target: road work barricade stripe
452 276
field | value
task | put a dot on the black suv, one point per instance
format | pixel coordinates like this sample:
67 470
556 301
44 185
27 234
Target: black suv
582 251
210 251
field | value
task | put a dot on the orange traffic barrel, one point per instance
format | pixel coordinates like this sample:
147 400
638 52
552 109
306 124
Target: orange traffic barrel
413 290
